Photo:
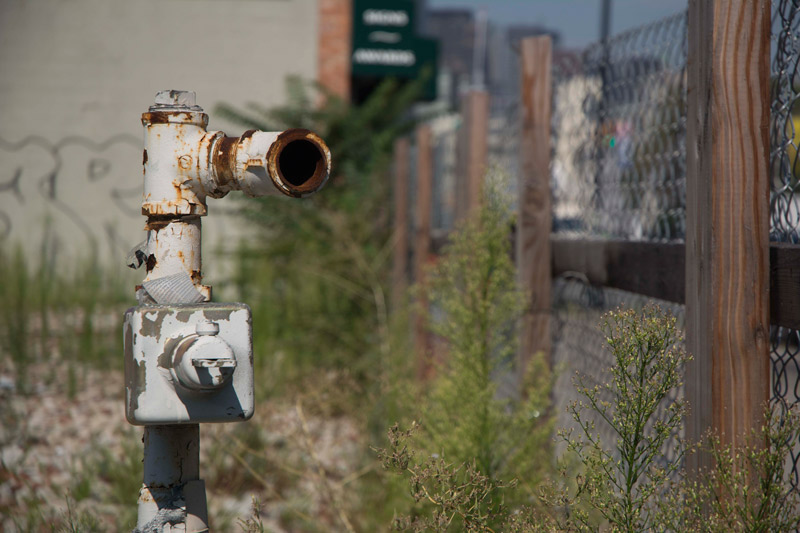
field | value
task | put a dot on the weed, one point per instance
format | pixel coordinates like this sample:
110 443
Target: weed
748 490
475 440
253 523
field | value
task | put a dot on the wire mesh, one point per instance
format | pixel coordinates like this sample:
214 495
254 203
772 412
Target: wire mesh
618 172
784 201
785 128
619 136
579 348
504 143
445 130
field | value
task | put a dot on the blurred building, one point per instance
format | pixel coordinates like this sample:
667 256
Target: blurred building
75 77
455 29
477 54
503 63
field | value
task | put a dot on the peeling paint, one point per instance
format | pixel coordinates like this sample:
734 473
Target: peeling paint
184 316
152 327
218 315
165 359
158 400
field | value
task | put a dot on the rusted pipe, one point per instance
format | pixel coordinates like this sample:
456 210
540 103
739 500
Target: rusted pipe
184 165
295 162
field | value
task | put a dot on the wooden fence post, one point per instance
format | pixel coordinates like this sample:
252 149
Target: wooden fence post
422 242
400 266
727 218
535 219
478 105
473 150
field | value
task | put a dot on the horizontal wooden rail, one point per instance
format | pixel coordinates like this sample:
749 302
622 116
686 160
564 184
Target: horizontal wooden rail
654 269
784 285
657 270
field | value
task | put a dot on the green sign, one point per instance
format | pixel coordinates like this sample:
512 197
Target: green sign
405 61
385 44
387 21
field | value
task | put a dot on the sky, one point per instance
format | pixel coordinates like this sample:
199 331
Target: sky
578 21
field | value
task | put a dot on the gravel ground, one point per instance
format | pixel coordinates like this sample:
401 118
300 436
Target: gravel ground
56 448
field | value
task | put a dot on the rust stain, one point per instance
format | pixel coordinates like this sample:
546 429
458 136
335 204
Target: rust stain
294 134
225 159
317 177
145 496
157 223
172 117
156 117
197 277
151 262
144 157
179 206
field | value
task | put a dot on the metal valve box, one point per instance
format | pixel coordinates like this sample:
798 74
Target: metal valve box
188 363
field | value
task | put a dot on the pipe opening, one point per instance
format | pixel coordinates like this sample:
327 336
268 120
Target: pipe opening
301 161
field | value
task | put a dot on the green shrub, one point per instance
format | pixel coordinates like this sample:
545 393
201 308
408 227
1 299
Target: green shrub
632 484
475 440
622 481
59 310
749 488
316 278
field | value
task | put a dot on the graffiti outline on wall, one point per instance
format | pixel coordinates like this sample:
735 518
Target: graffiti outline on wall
86 189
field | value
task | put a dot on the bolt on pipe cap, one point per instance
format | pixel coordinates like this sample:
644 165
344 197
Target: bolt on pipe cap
207 328
175 99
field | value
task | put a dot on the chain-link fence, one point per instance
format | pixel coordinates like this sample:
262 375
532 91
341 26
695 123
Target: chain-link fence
618 172
580 347
784 192
619 136
445 130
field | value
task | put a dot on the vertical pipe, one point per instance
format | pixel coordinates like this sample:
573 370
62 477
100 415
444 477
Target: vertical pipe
605 20
175 247
172 493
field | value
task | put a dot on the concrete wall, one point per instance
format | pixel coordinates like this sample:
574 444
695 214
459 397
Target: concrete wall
75 76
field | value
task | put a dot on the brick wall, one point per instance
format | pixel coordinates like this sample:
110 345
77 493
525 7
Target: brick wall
334 45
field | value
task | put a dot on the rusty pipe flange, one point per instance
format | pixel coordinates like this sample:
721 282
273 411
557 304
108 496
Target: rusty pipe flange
299 162
295 163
